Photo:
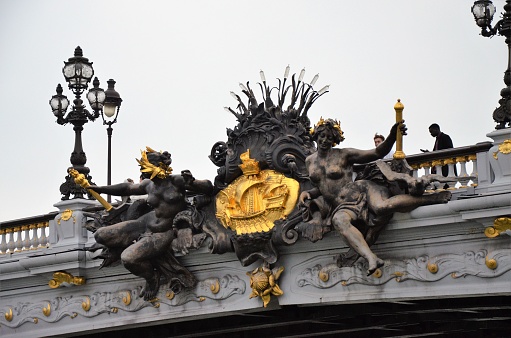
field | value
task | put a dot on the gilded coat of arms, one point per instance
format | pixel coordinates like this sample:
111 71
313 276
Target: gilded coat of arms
255 200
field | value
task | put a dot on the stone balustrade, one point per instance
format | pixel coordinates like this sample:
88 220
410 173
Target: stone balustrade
462 163
32 236
25 235
459 161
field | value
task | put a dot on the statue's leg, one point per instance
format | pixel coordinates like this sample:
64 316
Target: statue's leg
138 257
373 233
382 204
134 258
347 258
341 221
121 234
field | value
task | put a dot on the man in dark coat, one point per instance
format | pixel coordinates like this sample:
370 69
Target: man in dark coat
443 141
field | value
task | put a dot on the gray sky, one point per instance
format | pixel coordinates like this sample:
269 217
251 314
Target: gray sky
175 63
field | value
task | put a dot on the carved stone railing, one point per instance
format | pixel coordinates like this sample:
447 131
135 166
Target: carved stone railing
459 160
25 235
456 159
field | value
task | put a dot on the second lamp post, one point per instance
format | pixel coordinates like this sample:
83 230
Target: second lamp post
109 111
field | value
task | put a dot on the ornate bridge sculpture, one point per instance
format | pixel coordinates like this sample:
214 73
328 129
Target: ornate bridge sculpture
253 208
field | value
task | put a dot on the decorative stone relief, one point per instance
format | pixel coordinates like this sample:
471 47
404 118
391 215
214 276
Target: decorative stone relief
482 264
51 311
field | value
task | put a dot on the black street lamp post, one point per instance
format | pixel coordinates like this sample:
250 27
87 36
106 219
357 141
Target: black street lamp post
109 114
78 72
483 11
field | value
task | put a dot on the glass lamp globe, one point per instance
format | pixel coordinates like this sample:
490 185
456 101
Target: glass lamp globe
59 102
483 11
78 71
96 96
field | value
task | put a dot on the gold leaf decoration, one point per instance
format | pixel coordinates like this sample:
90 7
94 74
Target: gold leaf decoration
255 200
263 283
491 263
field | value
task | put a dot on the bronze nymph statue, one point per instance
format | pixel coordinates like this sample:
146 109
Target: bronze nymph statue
145 242
351 202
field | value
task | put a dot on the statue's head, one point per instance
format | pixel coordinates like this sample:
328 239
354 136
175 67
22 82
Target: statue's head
155 164
328 125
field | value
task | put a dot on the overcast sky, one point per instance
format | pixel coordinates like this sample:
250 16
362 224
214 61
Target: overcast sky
175 63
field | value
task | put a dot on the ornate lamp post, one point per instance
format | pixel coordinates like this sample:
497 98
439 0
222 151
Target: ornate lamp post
108 104
483 11
78 73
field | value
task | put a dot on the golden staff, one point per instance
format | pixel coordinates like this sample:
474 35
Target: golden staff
399 154
82 181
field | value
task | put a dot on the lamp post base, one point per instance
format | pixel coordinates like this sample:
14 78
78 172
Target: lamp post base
69 187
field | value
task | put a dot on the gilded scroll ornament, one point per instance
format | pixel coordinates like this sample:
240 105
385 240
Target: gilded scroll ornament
86 304
47 310
263 283
256 199
66 215
215 287
504 148
126 298
500 225
8 315
66 279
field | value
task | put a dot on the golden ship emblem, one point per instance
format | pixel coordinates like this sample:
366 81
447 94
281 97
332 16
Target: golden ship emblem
256 199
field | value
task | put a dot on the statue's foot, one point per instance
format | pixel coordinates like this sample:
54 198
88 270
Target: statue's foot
151 288
373 266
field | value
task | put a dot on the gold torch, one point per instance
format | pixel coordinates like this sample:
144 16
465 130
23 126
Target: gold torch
82 181
399 155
